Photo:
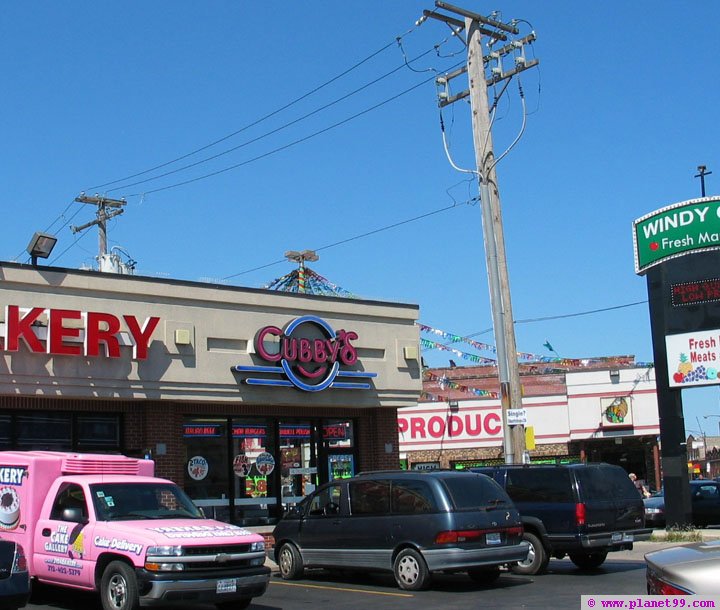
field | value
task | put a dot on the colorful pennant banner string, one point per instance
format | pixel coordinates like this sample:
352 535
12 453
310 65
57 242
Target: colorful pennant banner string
425 344
445 383
526 356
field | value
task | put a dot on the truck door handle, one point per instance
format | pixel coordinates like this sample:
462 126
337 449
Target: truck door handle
46 532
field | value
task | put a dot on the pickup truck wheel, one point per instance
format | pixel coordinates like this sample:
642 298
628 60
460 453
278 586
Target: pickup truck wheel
290 562
118 587
537 559
411 571
588 561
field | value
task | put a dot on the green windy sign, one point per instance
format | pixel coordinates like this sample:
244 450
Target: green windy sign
679 229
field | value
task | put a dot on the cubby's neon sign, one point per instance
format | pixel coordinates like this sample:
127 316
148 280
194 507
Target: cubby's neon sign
309 354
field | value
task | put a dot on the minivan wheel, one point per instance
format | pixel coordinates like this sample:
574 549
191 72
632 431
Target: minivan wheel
290 562
411 571
588 561
537 559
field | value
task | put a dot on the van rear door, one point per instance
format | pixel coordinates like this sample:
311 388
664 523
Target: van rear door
612 504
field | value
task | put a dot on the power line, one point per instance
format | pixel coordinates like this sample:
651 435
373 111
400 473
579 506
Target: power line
298 99
290 144
257 121
360 236
581 313
562 316
60 217
268 133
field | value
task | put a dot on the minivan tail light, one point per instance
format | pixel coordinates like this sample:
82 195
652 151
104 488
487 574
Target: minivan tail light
580 513
452 536
458 536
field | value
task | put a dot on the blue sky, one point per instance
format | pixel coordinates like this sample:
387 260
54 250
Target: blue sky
620 114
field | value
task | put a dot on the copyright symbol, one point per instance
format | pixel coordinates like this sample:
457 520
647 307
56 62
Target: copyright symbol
591 603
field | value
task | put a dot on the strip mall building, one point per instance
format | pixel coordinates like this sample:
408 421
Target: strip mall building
248 398
595 410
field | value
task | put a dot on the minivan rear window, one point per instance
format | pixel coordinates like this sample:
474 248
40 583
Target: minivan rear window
412 497
473 491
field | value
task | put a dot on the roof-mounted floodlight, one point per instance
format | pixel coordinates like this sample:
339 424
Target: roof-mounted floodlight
40 246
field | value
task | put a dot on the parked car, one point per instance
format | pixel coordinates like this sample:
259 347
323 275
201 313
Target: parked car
704 503
14 576
412 523
580 510
690 569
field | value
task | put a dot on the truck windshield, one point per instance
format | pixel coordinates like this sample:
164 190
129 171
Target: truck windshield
125 501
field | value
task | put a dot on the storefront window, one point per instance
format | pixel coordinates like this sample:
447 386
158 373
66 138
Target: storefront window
338 444
249 470
298 471
253 464
44 430
206 465
5 432
98 431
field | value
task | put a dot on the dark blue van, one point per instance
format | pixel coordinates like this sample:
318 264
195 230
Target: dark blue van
580 510
411 523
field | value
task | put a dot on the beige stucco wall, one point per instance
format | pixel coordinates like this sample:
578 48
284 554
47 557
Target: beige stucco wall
222 322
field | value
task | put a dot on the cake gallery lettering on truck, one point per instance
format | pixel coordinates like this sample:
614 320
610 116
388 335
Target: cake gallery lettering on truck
104 523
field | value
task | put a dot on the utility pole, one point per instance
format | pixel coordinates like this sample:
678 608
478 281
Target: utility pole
702 172
475 26
102 216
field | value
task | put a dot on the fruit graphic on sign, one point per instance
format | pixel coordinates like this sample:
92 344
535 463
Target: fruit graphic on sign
687 374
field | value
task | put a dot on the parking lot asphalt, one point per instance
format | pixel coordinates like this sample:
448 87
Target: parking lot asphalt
638 551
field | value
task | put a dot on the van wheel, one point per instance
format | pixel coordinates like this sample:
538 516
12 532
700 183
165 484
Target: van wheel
411 571
537 559
290 562
484 576
118 587
588 561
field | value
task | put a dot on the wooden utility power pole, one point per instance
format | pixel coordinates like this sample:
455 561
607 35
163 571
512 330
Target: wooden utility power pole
475 26
103 215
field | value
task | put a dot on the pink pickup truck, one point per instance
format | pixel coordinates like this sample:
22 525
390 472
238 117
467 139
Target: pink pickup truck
104 523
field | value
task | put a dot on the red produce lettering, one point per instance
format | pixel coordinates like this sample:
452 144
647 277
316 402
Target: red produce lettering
437 427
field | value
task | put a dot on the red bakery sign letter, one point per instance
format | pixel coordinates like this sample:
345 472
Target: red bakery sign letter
65 335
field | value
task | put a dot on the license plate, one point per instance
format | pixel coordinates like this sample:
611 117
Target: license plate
617 537
493 538
228 585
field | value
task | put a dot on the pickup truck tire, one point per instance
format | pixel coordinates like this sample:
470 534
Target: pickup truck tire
118 587
537 559
588 561
290 562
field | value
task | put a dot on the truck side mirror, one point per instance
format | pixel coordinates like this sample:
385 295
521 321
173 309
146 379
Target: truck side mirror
74 515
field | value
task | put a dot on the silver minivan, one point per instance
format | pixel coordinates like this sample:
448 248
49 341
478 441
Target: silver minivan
411 523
